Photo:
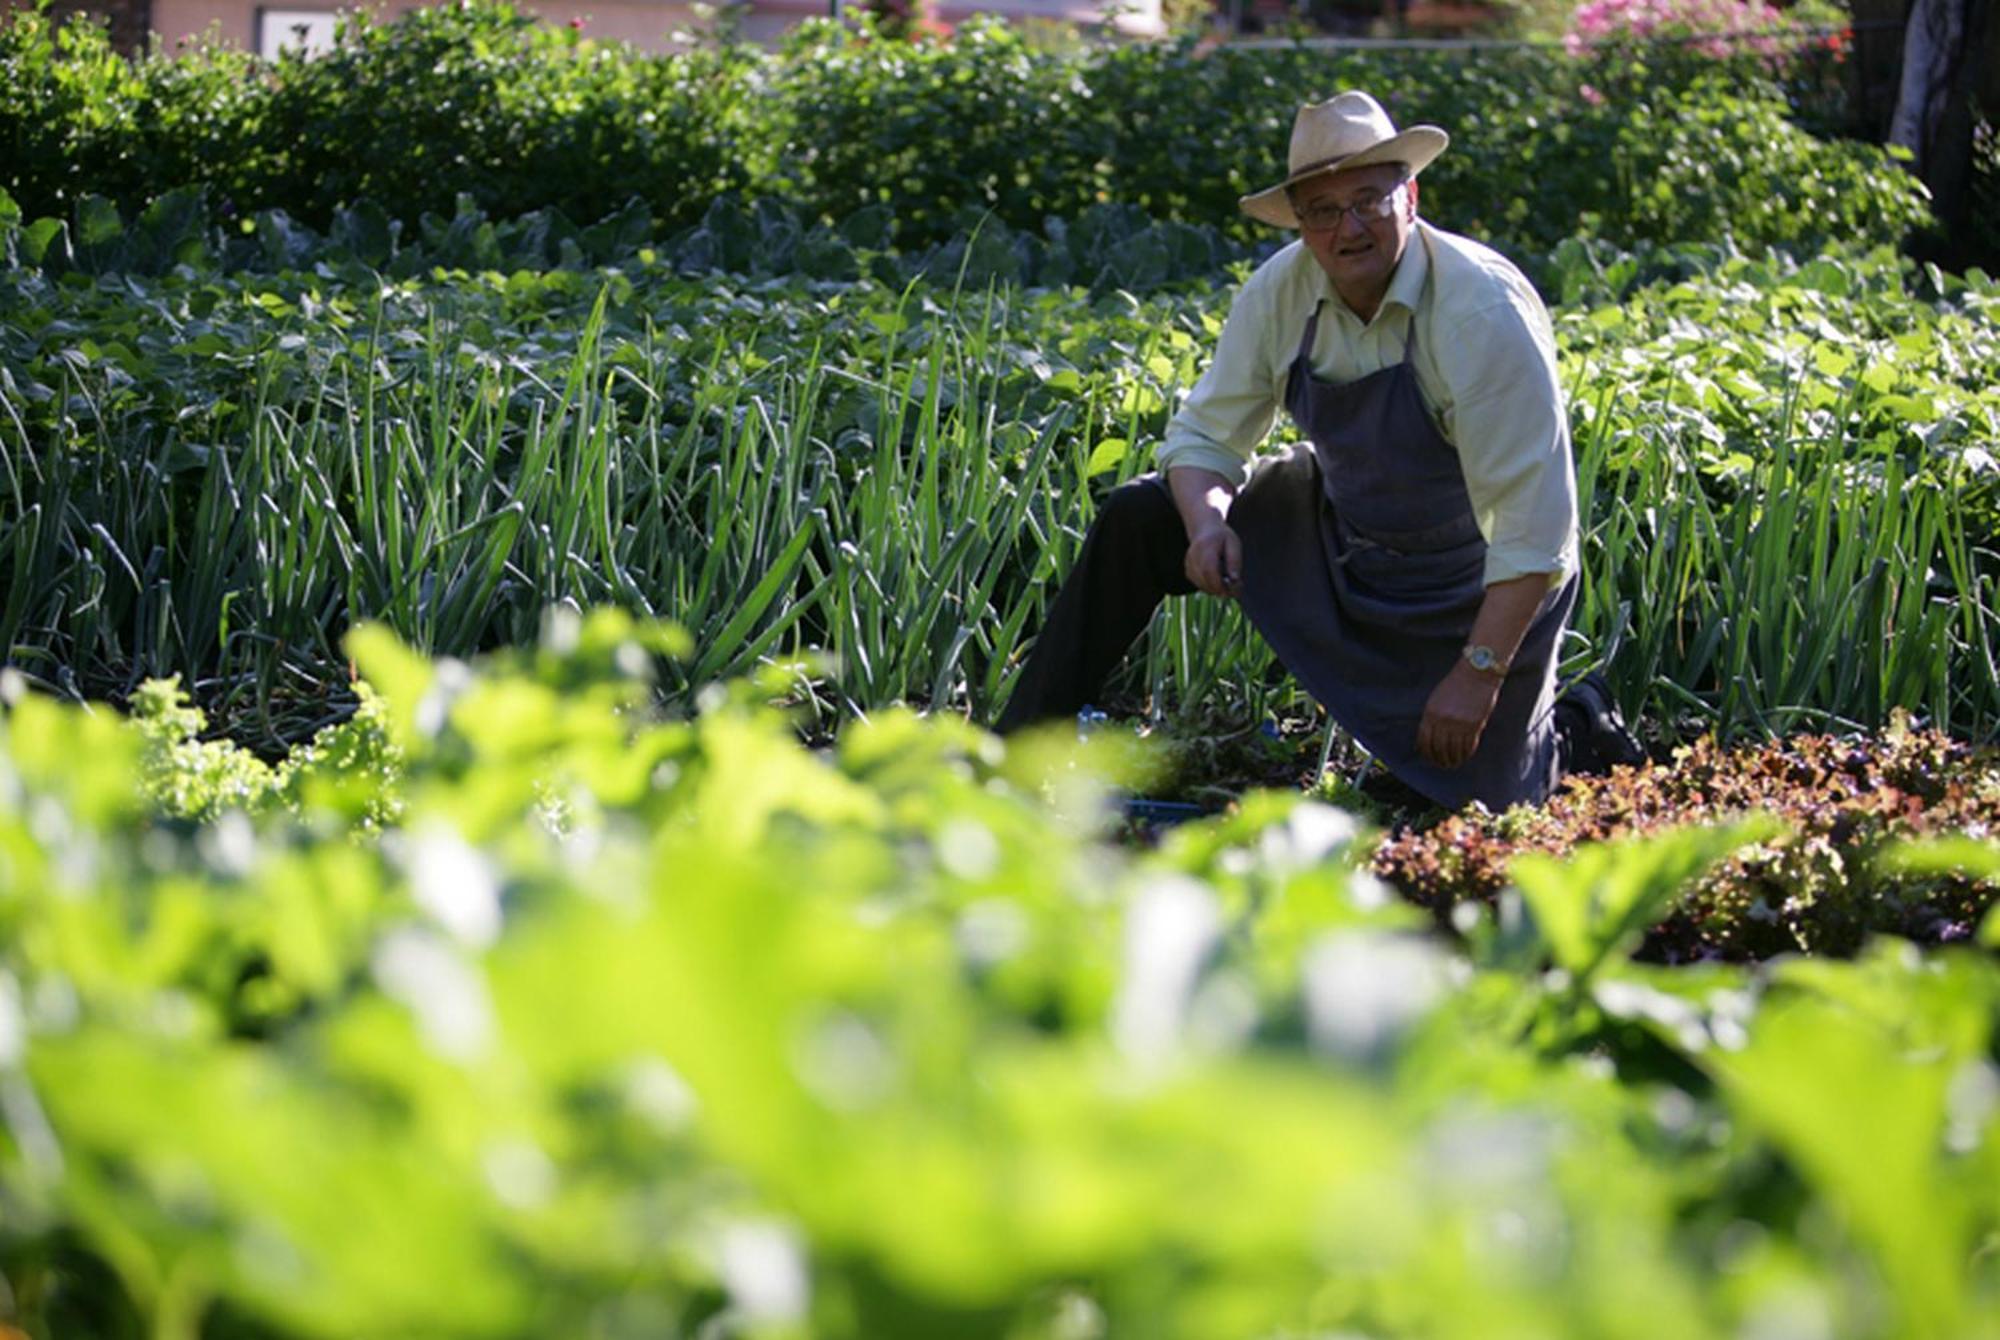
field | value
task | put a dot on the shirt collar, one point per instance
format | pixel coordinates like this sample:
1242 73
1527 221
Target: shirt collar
1406 286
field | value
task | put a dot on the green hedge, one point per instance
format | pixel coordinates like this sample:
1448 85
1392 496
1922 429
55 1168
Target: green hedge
480 101
449 100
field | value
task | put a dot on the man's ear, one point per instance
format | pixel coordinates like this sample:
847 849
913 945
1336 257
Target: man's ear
1413 199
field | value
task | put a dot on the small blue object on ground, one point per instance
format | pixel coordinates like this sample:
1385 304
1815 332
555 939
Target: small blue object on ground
1161 813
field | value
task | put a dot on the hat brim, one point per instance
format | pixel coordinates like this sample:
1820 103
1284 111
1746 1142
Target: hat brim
1414 148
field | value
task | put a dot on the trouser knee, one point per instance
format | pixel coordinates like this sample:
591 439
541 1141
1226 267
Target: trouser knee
1136 503
1138 519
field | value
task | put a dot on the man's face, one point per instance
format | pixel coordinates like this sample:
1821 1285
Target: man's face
1358 254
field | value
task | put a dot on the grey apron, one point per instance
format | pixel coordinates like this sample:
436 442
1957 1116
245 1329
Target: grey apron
1364 568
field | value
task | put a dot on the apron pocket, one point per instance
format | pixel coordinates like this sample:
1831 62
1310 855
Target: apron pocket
1428 581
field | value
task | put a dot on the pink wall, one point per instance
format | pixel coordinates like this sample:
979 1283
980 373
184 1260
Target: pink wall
644 23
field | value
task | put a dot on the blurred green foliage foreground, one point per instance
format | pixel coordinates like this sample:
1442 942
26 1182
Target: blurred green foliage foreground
509 1008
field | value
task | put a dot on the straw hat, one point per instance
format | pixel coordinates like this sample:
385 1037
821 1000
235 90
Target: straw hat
1347 131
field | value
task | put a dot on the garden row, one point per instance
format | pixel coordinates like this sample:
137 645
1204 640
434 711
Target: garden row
476 100
1786 472
509 1008
1106 248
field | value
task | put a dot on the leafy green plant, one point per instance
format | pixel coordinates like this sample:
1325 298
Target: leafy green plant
1595 904
188 777
1822 886
645 1024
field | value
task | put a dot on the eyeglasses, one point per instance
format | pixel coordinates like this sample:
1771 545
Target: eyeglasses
1325 215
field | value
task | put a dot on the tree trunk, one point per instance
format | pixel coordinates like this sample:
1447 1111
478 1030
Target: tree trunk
1935 106
1929 41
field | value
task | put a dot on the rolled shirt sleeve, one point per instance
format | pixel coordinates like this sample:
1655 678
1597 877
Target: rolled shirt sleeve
1233 405
1507 420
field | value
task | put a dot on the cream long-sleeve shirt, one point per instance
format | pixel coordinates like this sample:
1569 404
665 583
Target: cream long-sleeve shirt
1486 369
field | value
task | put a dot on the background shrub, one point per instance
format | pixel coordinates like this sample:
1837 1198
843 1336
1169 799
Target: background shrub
68 113
479 101
484 101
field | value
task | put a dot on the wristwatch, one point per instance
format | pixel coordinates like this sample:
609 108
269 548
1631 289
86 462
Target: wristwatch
1485 662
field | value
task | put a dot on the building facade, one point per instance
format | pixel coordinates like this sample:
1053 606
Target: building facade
648 24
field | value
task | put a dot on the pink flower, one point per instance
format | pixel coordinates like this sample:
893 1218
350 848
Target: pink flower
1591 95
1716 28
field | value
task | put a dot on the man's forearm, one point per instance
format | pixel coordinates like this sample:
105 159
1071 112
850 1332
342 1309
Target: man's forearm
1507 611
1456 713
1202 497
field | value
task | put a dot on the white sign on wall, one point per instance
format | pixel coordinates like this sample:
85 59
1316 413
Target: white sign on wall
307 30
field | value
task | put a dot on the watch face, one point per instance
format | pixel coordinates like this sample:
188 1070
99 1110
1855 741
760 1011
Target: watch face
1482 658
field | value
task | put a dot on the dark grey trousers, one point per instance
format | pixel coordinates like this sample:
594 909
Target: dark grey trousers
1131 560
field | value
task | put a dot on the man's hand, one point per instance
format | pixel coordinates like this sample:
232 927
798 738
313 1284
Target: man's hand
1456 713
1455 716
1215 561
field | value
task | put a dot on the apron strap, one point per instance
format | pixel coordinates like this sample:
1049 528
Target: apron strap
1305 353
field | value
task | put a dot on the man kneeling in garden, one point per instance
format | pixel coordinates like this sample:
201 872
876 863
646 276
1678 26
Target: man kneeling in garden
1415 566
